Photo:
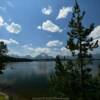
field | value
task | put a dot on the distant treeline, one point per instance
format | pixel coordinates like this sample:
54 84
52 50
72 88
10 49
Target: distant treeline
13 59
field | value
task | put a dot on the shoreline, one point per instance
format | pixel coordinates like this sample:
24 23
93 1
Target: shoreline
6 97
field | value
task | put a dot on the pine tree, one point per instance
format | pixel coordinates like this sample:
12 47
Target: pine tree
65 81
73 79
3 51
3 48
80 41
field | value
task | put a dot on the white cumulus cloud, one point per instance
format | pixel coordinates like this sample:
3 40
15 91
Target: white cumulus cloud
10 41
1 21
41 50
65 51
47 11
11 28
54 43
50 26
14 28
64 11
28 47
39 27
96 32
36 50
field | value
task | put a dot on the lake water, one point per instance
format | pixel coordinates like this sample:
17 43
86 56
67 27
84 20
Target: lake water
29 79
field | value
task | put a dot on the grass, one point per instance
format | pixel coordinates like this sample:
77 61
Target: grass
3 96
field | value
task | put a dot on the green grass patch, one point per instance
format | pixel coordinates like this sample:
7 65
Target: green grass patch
2 97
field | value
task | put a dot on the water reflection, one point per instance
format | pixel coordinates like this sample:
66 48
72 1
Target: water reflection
2 67
28 79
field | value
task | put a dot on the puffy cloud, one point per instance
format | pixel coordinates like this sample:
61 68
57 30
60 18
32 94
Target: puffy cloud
47 11
64 11
41 50
10 41
65 51
1 21
50 51
28 47
13 41
98 41
36 50
95 33
54 43
13 28
39 27
50 26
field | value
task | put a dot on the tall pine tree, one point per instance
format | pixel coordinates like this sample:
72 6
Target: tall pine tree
80 41
73 79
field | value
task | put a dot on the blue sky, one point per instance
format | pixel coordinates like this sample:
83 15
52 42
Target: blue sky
30 27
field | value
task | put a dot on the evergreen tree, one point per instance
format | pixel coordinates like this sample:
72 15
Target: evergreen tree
65 81
3 51
73 79
80 41
3 48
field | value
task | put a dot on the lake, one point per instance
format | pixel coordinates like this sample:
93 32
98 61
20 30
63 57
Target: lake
27 79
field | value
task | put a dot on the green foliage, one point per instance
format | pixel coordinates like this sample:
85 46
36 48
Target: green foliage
80 41
73 79
78 35
65 81
3 49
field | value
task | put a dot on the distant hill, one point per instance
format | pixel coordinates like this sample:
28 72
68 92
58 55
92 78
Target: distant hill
14 55
8 58
43 56
28 57
17 56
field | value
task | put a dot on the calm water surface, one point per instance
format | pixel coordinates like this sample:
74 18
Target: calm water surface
28 79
